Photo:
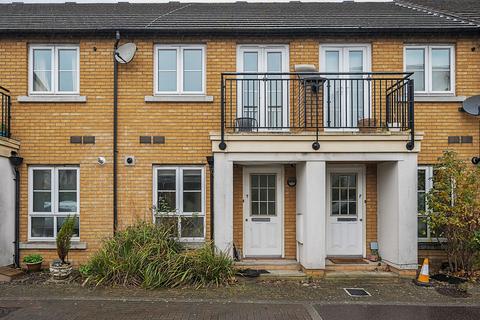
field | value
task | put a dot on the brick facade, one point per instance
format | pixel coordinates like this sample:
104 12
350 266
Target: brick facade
44 129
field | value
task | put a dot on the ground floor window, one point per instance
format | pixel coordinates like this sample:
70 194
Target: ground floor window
53 196
424 184
179 200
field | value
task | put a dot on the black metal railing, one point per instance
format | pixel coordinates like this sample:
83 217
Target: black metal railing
5 101
276 102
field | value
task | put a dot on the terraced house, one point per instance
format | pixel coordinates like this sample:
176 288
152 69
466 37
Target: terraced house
298 132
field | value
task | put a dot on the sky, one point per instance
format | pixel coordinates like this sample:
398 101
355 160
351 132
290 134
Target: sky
146 1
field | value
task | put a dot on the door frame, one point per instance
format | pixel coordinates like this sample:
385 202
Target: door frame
361 170
264 169
262 50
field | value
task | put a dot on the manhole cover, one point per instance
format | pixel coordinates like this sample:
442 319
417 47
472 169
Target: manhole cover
357 292
5 311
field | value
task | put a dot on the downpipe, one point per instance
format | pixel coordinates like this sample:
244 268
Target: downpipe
115 132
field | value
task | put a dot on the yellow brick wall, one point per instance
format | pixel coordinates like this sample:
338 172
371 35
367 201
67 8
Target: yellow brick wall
44 129
371 204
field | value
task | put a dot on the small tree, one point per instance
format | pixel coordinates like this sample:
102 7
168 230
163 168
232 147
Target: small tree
64 237
454 210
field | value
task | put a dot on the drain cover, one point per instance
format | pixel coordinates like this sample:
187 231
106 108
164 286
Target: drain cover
5 311
357 292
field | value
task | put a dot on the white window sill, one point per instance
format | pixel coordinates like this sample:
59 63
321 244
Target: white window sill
39 245
439 98
179 98
53 98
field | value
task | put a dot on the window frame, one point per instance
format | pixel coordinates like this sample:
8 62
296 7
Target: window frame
428 48
54 213
54 78
178 211
180 48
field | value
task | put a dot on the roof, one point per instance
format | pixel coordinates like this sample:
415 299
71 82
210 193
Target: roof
465 9
239 17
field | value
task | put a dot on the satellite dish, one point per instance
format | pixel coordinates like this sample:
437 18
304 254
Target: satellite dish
472 106
126 52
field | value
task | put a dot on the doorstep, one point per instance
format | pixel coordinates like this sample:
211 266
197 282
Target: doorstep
366 265
278 269
363 276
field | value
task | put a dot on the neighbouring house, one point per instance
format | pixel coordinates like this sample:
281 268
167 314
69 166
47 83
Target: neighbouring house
291 131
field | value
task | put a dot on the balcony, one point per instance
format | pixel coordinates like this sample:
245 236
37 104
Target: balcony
5 101
317 103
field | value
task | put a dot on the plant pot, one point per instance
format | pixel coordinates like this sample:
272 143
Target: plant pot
60 272
34 267
367 125
373 257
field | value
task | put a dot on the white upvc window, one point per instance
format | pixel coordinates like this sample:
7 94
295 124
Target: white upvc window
54 69
433 67
179 69
179 200
53 195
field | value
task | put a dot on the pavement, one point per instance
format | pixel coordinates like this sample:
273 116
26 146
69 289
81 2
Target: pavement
247 300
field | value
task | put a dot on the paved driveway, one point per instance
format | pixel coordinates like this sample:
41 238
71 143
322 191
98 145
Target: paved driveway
117 309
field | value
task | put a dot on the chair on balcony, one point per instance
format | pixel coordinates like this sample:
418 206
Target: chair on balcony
246 124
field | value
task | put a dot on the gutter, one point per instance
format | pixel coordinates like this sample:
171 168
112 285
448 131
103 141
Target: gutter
115 132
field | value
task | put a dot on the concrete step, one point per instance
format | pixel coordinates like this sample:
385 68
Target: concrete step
362 276
370 266
8 273
283 275
268 264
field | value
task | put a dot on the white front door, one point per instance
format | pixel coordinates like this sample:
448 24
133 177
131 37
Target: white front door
346 94
263 98
345 211
263 212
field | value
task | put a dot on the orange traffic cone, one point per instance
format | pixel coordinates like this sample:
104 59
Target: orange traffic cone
423 277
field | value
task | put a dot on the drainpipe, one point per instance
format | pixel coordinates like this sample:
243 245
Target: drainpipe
115 132
210 161
16 161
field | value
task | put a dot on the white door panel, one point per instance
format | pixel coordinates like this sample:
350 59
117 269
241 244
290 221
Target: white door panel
263 212
345 211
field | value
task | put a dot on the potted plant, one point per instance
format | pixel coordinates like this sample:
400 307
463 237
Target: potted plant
61 268
33 262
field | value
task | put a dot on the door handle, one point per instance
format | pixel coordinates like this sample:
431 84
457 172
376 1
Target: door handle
246 219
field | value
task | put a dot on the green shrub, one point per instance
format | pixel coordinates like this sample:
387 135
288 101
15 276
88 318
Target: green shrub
33 258
147 255
64 237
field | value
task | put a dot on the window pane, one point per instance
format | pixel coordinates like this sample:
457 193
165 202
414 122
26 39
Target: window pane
41 227
192 70
335 208
421 180
421 202
42 201
192 59
422 227
192 180
263 208
192 81
356 61
271 208
167 201
167 81
67 202
42 180
274 62
167 70
67 81
168 222
61 220
192 202
415 62
250 62
42 69
191 227
332 59
166 180
67 70
67 179
352 208
335 194
441 69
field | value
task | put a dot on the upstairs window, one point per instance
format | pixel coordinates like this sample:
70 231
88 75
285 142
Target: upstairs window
54 69
433 67
179 69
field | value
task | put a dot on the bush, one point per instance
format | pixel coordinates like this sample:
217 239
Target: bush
454 211
64 237
147 255
33 258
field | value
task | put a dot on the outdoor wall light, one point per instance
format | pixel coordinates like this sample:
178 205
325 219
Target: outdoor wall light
101 160
292 182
